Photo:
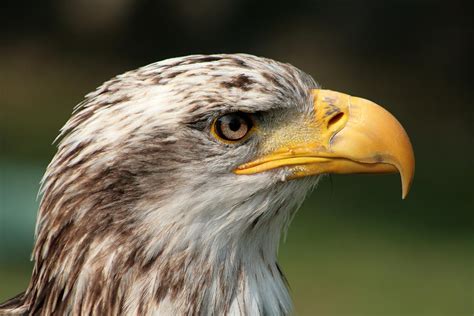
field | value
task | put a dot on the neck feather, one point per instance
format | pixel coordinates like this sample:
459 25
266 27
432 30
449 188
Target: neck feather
191 263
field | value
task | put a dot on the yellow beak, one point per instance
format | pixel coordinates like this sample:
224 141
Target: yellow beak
348 135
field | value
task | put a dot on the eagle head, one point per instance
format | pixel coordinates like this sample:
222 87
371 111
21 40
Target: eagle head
173 182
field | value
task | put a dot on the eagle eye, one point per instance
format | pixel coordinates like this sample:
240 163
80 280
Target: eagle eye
232 127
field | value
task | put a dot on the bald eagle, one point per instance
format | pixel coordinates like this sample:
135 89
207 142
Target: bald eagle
172 184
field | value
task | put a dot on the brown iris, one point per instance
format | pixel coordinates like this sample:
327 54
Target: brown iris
233 126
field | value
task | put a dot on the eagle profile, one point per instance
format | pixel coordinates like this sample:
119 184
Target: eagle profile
172 184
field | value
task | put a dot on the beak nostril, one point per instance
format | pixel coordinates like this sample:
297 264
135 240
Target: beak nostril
336 118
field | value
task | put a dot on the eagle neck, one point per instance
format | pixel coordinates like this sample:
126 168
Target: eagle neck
231 271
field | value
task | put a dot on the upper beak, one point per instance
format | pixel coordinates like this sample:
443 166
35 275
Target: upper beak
349 135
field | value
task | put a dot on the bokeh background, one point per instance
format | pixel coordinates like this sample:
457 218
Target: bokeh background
355 248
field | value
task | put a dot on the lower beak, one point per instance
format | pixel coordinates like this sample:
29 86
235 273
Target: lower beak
351 135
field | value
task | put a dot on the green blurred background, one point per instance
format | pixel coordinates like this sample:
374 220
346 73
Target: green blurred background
355 248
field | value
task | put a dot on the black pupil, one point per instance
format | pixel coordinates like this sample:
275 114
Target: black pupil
234 123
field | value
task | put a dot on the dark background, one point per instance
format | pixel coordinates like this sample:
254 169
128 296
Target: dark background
355 248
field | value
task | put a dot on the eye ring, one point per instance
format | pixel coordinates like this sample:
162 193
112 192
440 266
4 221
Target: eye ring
232 127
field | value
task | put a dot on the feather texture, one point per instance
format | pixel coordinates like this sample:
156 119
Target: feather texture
141 213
